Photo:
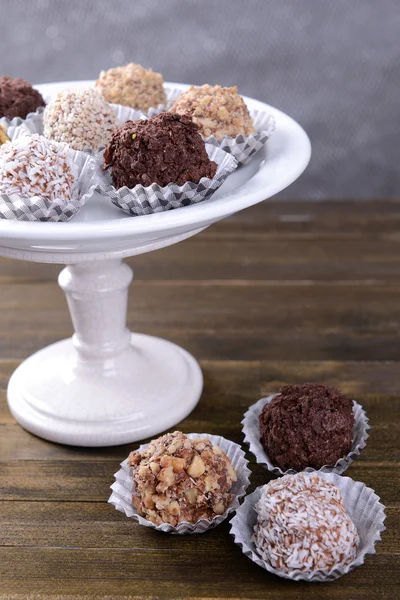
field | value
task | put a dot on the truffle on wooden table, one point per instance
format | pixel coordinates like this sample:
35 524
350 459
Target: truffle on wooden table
167 148
178 479
302 524
308 425
18 98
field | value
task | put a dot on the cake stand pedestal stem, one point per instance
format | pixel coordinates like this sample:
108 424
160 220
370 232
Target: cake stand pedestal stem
105 386
97 295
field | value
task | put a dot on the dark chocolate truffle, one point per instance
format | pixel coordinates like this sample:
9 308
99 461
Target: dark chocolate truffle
165 149
18 98
307 425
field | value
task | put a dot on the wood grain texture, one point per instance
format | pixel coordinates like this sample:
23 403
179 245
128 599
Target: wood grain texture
283 292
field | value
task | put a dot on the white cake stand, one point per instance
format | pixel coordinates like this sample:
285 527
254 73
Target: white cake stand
107 386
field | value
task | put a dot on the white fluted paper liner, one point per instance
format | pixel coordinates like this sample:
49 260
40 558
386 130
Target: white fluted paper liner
12 125
241 147
244 147
142 200
123 486
18 207
362 505
126 113
251 431
172 93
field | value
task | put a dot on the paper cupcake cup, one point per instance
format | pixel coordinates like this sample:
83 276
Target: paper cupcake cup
362 505
142 200
11 125
241 147
35 208
172 93
251 431
123 486
126 113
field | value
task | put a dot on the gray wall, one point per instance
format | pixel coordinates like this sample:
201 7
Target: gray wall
334 65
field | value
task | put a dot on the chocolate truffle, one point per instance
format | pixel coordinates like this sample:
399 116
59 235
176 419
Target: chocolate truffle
164 149
302 524
34 166
18 98
218 111
132 85
81 118
179 479
307 425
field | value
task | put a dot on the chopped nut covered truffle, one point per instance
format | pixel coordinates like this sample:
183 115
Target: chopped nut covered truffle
179 479
217 111
132 85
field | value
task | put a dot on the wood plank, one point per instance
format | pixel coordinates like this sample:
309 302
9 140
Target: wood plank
219 306
235 384
230 387
306 217
208 344
175 572
17 444
89 481
258 257
98 525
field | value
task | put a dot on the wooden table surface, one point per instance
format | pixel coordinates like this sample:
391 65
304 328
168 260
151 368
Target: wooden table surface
284 292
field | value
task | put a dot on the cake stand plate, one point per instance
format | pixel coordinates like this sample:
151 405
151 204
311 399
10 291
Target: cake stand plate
150 387
105 385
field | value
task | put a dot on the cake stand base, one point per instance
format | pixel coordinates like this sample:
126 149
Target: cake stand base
148 388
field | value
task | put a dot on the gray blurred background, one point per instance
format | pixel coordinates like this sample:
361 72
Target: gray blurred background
334 65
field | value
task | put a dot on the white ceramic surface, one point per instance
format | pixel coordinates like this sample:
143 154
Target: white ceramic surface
107 386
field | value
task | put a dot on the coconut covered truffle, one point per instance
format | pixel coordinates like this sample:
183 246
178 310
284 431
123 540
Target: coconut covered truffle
308 425
132 85
164 149
81 118
34 166
217 110
302 524
18 98
179 479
